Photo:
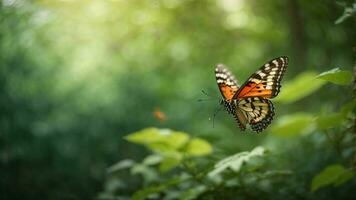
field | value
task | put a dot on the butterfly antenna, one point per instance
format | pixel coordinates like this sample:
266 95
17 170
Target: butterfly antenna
216 113
203 91
208 95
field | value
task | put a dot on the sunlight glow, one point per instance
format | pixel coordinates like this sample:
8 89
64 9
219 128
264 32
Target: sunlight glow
231 5
237 15
237 20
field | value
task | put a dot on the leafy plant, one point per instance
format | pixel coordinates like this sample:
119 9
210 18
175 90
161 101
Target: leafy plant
172 146
336 76
191 178
349 11
331 175
301 83
335 174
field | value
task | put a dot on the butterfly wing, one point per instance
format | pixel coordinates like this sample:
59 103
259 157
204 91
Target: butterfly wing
226 82
256 111
266 81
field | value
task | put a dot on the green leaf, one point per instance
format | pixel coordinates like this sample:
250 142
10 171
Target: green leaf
193 193
166 141
348 108
344 177
113 183
335 119
293 125
159 140
274 173
144 193
170 161
330 120
337 76
153 159
332 174
198 147
123 164
348 12
303 85
149 174
235 162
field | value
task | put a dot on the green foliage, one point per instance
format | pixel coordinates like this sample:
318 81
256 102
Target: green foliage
330 120
337 76
225 173
349 11
193 193
123 164
334 174
293 125
235 162
173 146
300 87
331 175
348 108
145 171
143 194
159 140
198 147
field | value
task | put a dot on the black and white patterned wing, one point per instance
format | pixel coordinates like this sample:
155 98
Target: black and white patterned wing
226 82
266 81
256 111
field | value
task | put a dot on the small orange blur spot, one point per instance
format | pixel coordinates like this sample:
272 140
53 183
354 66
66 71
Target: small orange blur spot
158 114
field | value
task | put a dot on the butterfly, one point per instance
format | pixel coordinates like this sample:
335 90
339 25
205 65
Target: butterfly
249 103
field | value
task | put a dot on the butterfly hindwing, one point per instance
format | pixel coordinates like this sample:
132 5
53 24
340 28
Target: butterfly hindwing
256 111
266 81
226 82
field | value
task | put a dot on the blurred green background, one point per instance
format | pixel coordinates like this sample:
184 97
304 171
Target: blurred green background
76 77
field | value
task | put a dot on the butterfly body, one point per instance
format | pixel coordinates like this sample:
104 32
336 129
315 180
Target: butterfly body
250 104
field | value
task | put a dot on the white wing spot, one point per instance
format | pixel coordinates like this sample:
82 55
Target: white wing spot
220 75
255 80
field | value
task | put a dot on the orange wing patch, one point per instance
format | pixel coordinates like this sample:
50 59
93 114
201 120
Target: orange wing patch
255 90
226 82
266 81
227 91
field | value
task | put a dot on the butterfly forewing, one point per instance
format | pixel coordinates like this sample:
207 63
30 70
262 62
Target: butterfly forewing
266 81
226 82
